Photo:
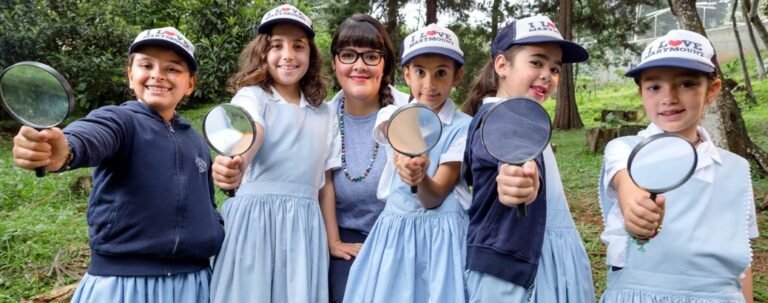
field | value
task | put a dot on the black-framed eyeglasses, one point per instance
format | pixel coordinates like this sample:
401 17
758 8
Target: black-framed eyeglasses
370 58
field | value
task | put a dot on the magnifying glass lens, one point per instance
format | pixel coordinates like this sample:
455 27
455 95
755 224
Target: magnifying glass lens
34 96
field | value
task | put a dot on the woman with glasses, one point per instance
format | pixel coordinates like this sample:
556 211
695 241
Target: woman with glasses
364 64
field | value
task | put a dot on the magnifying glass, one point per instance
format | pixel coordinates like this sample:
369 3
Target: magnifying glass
515 131
35 95
661 163
413 130
229 131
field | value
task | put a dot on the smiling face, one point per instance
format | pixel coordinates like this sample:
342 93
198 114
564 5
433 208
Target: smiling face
288 56
160 78
359 80
675 98
533 72
431 77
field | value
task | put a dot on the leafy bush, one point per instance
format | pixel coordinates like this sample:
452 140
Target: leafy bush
87 40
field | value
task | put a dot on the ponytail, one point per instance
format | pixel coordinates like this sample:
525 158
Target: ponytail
385 94
484 85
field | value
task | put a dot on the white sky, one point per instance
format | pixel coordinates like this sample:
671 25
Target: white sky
413 15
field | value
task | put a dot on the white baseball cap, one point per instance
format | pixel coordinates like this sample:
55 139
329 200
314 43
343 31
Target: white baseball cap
286 13
678 48
432 39
168 37
533 30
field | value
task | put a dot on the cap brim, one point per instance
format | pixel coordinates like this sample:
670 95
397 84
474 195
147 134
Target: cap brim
572 52
433 50
267 26
164 43
671 62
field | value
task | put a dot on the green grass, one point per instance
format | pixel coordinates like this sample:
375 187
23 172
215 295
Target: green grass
39 218
43 236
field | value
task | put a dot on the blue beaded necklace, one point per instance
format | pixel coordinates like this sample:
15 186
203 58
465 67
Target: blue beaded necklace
344 150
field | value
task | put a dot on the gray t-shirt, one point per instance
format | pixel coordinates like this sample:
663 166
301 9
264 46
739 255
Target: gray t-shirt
356 204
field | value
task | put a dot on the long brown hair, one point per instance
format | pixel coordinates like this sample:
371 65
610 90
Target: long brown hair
486 83
362 30
255 71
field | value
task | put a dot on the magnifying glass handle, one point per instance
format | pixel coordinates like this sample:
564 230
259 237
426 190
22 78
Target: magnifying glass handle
522 210
230 192
653 197
40 172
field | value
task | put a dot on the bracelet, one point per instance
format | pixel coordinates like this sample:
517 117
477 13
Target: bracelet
68 162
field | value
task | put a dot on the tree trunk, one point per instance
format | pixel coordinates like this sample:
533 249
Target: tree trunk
757 23
495 15
744 70
723 119
566 111
760 68
431 11
391 23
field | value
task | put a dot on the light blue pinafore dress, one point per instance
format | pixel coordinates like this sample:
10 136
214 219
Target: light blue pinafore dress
703 247
414 254
275 248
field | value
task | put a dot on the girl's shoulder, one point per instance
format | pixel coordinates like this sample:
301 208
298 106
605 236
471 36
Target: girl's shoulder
462 119
731 158
625 144
254 91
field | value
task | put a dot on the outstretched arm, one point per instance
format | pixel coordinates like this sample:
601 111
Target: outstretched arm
228 172
642 216
431 190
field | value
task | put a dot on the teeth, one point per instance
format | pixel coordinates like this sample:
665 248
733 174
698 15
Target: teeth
671 112
157 89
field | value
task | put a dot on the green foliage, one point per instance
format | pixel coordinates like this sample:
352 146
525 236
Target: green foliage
85 40
220 29
476 44
593 97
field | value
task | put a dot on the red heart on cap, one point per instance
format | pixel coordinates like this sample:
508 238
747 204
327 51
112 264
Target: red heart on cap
675 42
285 9
431 33
551 25
170 33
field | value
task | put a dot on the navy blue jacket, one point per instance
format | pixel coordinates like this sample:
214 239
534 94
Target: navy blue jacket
498 242
152 209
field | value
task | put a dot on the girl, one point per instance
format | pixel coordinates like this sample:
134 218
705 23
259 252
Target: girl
539 257
364 62
152 218
275 249
703 253
415 252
